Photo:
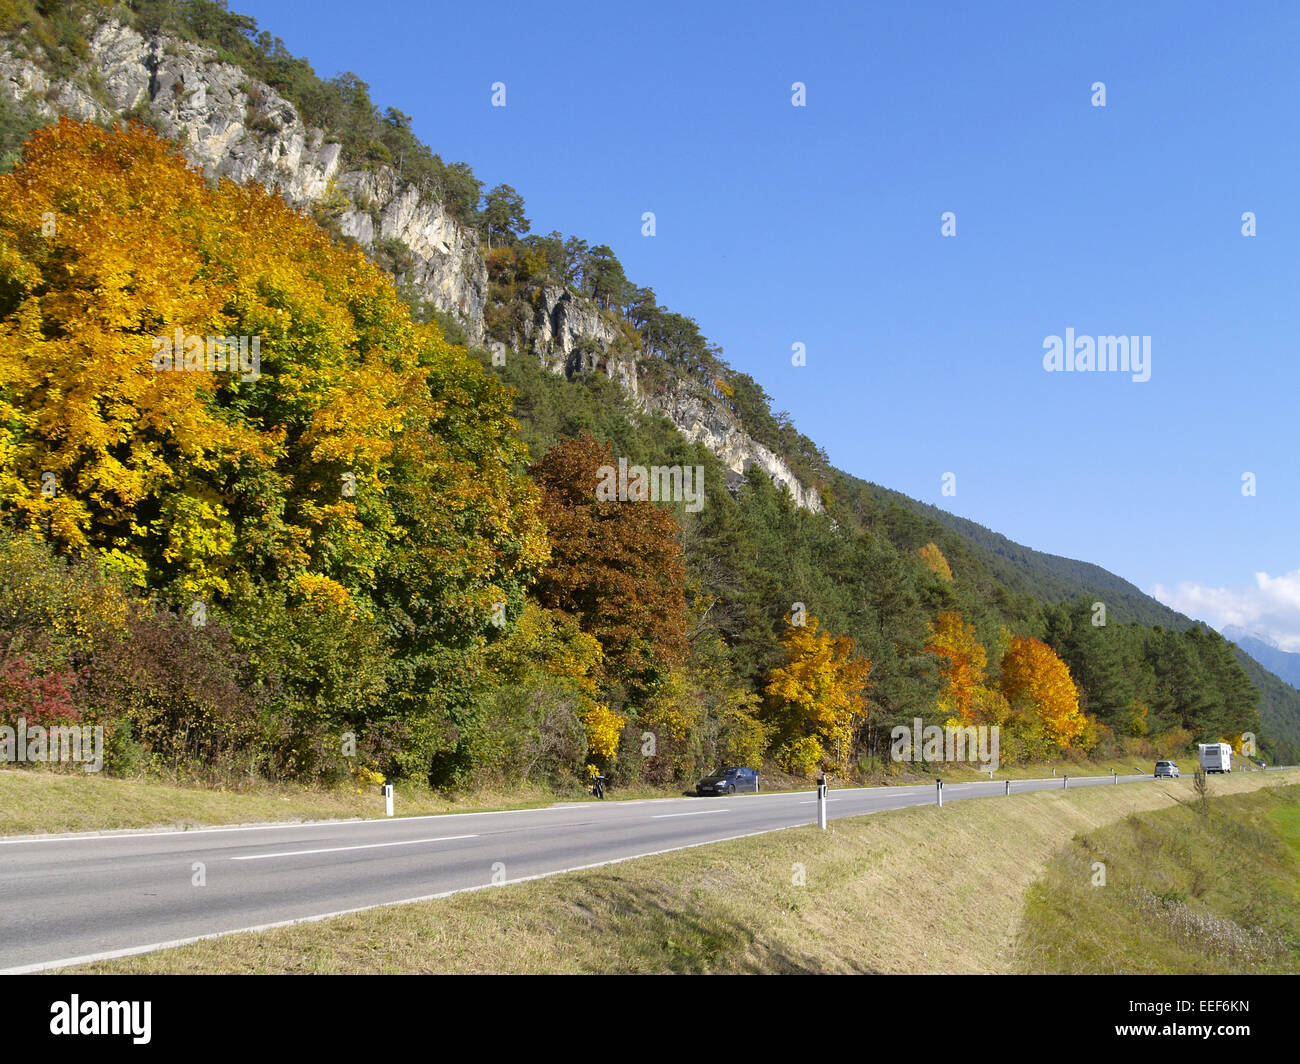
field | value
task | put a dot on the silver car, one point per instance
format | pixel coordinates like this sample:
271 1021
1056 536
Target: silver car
1167 769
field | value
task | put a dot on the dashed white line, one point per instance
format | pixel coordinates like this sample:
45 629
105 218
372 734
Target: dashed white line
339 849
698 812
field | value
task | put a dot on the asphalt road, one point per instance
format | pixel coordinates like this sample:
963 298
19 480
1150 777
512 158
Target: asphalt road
73 898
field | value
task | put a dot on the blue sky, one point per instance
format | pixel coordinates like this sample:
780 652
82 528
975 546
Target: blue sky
821 225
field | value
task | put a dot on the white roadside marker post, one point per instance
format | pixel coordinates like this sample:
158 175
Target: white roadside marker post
821 803
1008 790
388 799
938 787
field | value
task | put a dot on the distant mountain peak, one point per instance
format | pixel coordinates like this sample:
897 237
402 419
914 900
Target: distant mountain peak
1236 633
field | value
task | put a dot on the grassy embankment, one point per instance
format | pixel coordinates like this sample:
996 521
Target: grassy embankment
917 890
1187 890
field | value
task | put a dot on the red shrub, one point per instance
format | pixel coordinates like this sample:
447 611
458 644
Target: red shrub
41 699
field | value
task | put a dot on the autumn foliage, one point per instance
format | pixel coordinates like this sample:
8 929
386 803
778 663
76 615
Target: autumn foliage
1033 698
936 562
322 463
962 661
818 695
38 697
616 566
366 470
1034 678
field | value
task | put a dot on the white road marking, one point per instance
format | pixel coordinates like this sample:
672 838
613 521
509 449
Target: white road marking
338 849
698 812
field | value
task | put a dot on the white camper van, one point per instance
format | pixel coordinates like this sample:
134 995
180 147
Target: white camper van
1216 757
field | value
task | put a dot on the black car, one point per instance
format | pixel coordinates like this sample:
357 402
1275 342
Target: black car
729 781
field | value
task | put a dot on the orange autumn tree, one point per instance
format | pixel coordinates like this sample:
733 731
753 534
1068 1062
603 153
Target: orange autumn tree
1037 681
818 696
616 566
962 661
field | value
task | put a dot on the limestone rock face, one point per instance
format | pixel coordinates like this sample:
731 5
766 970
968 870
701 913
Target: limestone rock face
701 419
231 125
448 270
571 335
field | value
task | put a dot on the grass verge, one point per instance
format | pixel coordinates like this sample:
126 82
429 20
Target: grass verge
35 802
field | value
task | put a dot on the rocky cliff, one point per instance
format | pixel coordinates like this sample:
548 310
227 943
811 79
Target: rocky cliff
231 125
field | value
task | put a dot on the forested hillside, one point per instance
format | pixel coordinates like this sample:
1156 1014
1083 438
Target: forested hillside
387 549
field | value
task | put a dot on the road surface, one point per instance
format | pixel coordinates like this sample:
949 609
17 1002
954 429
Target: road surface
74 898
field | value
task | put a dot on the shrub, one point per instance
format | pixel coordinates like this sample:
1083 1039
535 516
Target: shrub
182 694
38 698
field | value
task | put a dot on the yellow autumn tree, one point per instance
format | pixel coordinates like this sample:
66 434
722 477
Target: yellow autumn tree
195 382
962 661
935 561
547 644
1036 680
538 689
672 715
543 641
818 696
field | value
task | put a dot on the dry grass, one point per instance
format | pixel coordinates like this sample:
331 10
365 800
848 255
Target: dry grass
918 890
37 801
